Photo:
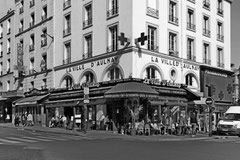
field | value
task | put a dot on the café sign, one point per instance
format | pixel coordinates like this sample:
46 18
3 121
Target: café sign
165 83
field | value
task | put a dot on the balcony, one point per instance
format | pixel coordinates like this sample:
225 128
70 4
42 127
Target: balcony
31 47
31 24
113 12
67 61
112 48
66 4
32 3
20 29
191 26
206 4
173 53
151 47
220 11
206 32
220 37
220 64
207 61
87 23
191 57
173 19
43 42
21 10
152 12
44 17
87 55
67 31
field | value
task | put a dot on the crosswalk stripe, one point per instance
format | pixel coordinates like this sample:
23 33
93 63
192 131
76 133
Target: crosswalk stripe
39 139
8 141
21 139
52 138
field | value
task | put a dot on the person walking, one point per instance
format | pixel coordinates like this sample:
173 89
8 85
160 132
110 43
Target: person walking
193 122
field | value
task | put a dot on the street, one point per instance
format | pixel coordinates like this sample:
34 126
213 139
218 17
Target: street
27 145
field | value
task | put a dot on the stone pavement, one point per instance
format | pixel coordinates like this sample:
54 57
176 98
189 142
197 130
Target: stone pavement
108 134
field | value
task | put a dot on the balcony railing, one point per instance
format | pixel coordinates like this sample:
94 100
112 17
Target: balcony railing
21 10
32 3
112 12
67 31
173 19
87 55
220 11
220 64
220 37
87 23
152 12
191 26
44 17
207 61
191 57
66 4
31 47
206 32
173 53
67 61
154 48
112 48
206 4
43 42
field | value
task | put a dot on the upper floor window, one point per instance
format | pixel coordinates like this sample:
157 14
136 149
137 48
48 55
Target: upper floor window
206 26
21 7
1 68
112 38
151 72
9 26
190 49
32 3
152 38
44 38
67 25
220 57
112 8
191 80
66 4
8 45
152 8
88 77
173 50
8 85
87 16
1 30
44 83
8 66
206 53
173 12
1 49
206 4
67 82
32 64
21 25
43 63
87 46
32 84
115 73
44 13
220 36
191 20
32 19
67 53
220 7
32 43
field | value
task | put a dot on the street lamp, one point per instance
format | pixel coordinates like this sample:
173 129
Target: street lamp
44 35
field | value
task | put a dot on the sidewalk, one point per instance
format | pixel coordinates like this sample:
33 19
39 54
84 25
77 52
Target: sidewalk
107 134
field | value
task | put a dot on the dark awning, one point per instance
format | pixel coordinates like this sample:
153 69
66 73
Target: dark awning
131 89
33 100
193 95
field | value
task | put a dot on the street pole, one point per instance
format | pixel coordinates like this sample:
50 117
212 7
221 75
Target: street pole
210 120
85 118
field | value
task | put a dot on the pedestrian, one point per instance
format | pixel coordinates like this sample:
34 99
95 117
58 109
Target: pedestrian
193 122
16 120
24 119
106 123
30 120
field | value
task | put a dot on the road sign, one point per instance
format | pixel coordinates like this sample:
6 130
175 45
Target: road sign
209 101
86 101
86 90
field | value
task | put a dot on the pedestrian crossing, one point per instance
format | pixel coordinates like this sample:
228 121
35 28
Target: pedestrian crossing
39 138
223 140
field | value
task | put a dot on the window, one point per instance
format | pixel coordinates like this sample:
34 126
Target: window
21 7
32 20
220 7
8 85
87 46
32 3
43 63
206 4
67 53
67 82
173 16
87 16
173 51
31 67
44 38
190 49
206 26
8 65
8 45
21 25
112 38
152 9
150 73
9 26
220 36
190 80
206 53
88 78
1 49
220 57
1 68
67 25
32 84
44 13
32 43
112 8
115 73
66 4
152 38
1 30
44 83
190 20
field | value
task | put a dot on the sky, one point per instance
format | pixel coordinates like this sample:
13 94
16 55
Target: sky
235 40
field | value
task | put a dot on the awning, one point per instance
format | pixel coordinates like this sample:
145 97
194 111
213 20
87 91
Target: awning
33 100
131 89
193 95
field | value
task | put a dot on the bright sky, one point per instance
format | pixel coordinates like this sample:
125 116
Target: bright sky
236 33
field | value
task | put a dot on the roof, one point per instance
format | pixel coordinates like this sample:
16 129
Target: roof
30 100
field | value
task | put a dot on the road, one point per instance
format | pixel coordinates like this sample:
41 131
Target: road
27 145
